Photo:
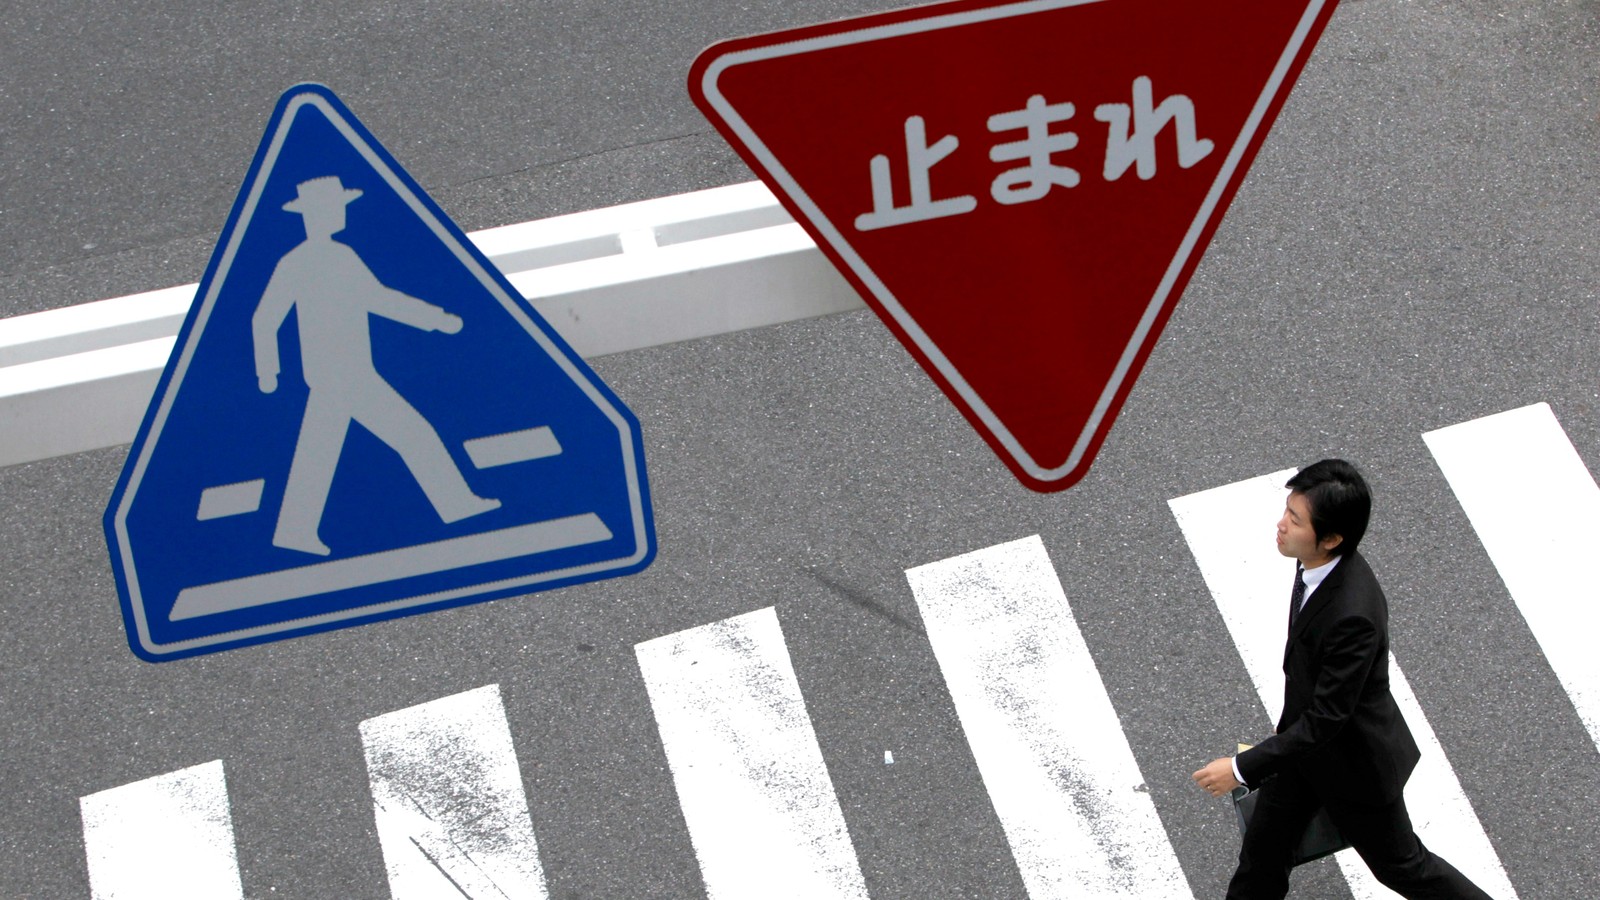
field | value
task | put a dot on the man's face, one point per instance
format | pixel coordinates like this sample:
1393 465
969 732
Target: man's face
1296 538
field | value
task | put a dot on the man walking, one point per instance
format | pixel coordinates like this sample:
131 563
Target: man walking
1341 742
334 292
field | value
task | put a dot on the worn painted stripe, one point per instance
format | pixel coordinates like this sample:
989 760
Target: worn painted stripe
755 792
1046 739
512 447
1230 531
226 500
1536 509
164 838
448 799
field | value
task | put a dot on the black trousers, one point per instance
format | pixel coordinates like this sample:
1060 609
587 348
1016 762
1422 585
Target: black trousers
1381 834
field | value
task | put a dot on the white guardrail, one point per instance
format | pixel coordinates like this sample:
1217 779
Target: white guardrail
632 276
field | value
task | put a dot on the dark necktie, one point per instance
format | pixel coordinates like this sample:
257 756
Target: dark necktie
1297 596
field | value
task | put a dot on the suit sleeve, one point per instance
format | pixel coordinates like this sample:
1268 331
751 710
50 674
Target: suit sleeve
1347 655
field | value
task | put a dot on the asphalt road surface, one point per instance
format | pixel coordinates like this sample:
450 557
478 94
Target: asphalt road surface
1417 246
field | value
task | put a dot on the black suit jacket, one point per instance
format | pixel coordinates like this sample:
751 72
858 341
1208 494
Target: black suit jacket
1340 728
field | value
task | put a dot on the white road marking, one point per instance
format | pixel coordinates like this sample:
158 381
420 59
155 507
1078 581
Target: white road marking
448 798
1230 531
1536 509
755 792
512 447
1046 738
164 838
230 499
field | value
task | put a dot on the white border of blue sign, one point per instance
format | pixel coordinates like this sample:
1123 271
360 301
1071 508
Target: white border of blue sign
120 505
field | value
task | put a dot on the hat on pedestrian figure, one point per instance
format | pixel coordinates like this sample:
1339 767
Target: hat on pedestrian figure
321 193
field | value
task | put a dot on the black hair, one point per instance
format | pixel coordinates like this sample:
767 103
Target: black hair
1339 499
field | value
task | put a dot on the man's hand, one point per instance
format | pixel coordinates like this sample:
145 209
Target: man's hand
1217 777
449 323
268 383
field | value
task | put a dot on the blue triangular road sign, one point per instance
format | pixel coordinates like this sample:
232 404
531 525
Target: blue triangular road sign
361 419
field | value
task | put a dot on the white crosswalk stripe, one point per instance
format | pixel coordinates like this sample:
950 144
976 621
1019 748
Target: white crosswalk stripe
1536 508
755 792
1229 530
1053 756
448 799
169 837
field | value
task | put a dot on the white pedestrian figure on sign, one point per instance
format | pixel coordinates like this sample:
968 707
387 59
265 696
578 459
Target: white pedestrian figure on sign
333 292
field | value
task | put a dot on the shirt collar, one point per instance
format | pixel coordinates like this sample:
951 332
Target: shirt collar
1314 577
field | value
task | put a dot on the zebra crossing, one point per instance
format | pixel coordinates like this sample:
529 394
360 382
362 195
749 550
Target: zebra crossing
763 814
761 808
1533 502
439 840
137 834
1046 739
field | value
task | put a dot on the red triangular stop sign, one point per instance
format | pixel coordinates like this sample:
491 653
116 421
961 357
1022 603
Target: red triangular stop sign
1019 189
